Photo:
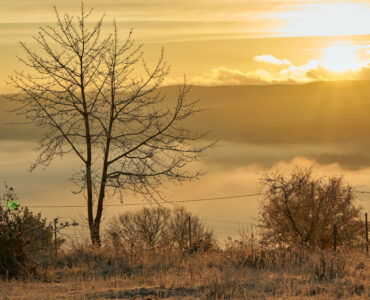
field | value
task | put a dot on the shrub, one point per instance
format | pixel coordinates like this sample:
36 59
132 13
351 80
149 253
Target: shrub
25 238
159 227
301 209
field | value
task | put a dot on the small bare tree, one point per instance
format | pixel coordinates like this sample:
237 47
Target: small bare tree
300 209
159 227
84 89
147 227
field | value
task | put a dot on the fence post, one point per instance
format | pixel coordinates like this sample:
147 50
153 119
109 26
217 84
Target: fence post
366 235
190 233
335 237
55 236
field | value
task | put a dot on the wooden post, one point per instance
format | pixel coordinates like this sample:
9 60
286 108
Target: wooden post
245 294
366 235
335 237
6 275
190 233
55 236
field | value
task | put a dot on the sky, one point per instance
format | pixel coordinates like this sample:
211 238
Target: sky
218 42
276 48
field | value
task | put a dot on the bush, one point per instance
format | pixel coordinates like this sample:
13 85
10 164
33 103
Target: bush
25 238
301 209
159 227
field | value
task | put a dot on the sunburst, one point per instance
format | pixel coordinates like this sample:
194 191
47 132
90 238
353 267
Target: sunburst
340 58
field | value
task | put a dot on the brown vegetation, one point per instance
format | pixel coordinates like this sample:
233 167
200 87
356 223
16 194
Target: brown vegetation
301 209
25 240
155 261
238 271
159 227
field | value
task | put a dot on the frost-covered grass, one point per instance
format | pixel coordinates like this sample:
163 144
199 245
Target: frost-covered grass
237 272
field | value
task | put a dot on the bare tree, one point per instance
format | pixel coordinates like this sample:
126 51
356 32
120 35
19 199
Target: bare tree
147 227
300 209
85 91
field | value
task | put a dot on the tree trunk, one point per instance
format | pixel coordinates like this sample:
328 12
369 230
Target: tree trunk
95 234
90 216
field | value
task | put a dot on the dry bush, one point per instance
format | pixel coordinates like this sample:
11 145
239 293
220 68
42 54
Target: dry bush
159 227
25 241
301 209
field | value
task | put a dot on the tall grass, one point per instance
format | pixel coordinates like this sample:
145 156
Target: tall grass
240 270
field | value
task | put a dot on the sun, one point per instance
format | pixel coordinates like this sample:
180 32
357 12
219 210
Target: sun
340 58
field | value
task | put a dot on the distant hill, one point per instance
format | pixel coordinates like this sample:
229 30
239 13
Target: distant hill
322 112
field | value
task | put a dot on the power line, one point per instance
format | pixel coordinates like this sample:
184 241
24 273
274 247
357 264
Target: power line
168 202
363 192
228 222
149 203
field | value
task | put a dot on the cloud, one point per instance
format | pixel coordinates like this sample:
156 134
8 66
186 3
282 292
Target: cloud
271 60
312 71
320 73
227 76
330 18
230 154
349 161
223 75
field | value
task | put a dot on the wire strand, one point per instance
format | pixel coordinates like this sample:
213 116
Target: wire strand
149 203
167 202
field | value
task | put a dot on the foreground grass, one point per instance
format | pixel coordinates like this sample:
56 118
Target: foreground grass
239 272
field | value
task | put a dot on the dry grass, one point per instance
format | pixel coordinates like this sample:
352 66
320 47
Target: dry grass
237 272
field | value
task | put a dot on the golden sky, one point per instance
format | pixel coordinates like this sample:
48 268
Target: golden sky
220 41
216 43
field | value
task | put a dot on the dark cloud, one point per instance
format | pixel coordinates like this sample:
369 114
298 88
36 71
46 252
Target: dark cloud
346 161
232 155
